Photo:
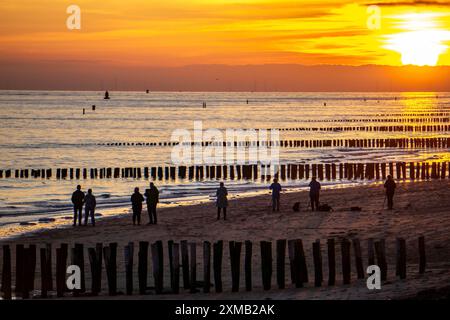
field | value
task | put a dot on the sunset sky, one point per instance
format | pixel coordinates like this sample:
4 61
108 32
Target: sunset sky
181 32
155 33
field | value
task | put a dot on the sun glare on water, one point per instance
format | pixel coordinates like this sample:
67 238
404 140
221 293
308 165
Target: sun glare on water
421 43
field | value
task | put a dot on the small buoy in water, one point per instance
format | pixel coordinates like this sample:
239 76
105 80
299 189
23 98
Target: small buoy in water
93 107
324 104
106 95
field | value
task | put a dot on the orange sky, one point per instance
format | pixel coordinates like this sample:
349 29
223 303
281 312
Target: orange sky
183 32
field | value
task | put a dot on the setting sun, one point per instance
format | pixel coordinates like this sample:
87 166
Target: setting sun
422 43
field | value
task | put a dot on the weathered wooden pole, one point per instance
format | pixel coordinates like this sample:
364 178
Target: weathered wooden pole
235 260
217 265
61 263
175 261
79 259
110 256
25 274
185 263
31 266
158 266
44 281
98 270
93 262
317 257
303 270
266 264
19 269
281 260
6 273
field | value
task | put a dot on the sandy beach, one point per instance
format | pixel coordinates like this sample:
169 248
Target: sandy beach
421 208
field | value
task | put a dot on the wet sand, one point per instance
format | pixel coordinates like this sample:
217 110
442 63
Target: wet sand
421 208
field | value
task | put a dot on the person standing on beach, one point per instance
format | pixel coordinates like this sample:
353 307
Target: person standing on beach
276 189
77 200
314 193
222 201
152 196
136 202
390 186
89 207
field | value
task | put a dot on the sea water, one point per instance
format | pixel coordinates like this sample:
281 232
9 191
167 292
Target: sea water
47 129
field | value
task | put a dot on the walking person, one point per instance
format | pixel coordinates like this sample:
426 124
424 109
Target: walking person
314 193
89 208
152 200
77 200
276 190
222 201
136 202
390 186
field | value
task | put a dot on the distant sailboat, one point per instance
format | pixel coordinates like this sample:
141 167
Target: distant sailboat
106 95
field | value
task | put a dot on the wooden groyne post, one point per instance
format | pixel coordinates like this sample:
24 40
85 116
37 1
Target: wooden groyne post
6 273
217 265
281 260
266 264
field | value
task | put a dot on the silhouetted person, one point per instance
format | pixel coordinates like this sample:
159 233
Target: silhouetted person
89 207
152 196
77 200
390 186
276 189
314 193
222 201
106 95
136 202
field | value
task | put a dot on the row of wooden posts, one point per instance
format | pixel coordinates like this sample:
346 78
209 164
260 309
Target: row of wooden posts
436 113
404 143
386 128
328 171
428 118
183 259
